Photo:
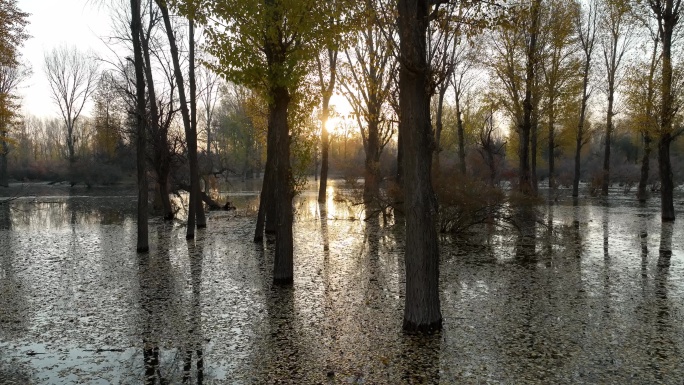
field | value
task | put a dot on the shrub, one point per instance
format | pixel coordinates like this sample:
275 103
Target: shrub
465 202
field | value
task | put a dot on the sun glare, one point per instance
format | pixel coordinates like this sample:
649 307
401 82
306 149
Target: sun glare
334 126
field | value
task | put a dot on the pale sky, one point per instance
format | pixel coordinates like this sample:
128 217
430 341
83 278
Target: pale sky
53 23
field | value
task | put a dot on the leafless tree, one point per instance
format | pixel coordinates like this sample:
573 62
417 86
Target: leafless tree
209 96
73 78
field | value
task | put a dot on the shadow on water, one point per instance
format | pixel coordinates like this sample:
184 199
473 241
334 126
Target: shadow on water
526 237
5 215
281 355
666 355
420 359
325 234
643 243
159 316
576 234
607 264
14 309
549 235
194 340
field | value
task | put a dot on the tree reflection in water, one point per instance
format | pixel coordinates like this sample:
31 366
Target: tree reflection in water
194 338
420 358
526 240
5 215
666 356
643 243
282 354
14 309
159 318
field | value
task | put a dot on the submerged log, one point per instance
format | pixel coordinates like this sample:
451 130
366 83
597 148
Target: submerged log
212 204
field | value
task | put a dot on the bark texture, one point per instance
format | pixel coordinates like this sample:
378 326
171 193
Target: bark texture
4 150
642 195
422 306
283 263
461 137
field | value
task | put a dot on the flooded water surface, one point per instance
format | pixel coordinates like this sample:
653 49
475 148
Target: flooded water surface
591 293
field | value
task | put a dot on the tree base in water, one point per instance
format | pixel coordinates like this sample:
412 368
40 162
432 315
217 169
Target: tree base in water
142 249
413 327
283 281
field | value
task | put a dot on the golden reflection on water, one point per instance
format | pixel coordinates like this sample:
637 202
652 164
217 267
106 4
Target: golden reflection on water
339 204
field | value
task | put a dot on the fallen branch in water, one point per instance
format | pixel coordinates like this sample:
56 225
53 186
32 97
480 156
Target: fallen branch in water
213 205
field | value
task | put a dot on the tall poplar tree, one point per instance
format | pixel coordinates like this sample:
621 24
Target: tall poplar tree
668 14
269 46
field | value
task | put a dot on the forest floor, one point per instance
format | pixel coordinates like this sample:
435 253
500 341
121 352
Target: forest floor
600 302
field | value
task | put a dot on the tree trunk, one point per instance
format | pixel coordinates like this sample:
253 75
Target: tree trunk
461 137
261 215
605 181
4 178
161 156
190 135
325 147
580 127
208 110
578 152
163 181
666 180
266 215
533 151
552 145
525 182
439 126
70 143
192 142
141 134
283 264
670 18
371 187
4 150
400 156
422 306
269 187
642 195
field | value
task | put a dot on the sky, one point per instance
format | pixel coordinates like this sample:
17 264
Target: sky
53 23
